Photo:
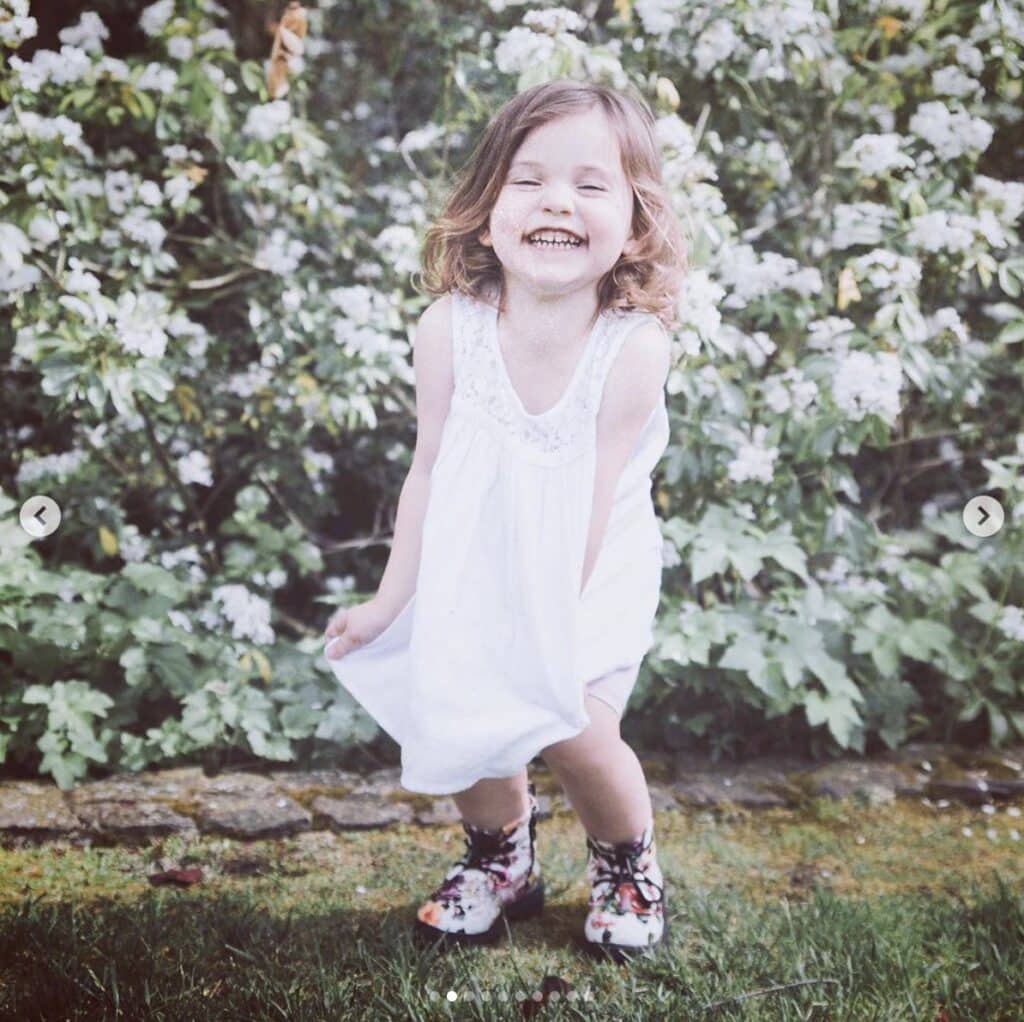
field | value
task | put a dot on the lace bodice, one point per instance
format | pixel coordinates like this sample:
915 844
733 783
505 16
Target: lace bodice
483 388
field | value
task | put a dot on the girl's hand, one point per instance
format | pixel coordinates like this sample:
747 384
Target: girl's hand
352 627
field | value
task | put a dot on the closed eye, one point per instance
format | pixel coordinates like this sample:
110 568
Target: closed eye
596 188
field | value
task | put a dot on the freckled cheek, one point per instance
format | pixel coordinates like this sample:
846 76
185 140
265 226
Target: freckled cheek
510 221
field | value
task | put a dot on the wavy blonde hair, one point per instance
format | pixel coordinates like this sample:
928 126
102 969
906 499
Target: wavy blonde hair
648 280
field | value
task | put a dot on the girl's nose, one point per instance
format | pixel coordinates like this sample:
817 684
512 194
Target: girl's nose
557 198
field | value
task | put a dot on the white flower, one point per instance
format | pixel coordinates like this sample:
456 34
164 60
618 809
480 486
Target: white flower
214 39
868 384
886 270
522 48
659 17
140 323
398 244
134 547
860 223
49 466
179 620
967 55
177 189
790 390
914 9
119 187
875 155
939 230
715 45
43 230
268 120
154 17
116 68
697 307
950 133
17 26
246 384
1011 623
421 138
89 33
280 254
194 467
69 132
64 68
358 302
554 20
79 281
248 613
947 318
149 193
180 47
951 81
1005 198
751 275
142 228
754 460
157 77
13 246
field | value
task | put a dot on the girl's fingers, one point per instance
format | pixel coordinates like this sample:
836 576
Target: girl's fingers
336 650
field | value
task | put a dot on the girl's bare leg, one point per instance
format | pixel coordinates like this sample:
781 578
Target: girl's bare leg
493 802
602 777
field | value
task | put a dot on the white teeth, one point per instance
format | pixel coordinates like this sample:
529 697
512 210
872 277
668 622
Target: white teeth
554 241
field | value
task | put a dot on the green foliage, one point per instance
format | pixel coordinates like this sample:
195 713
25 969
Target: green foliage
207 322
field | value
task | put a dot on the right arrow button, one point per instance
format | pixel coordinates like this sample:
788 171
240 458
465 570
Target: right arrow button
983 516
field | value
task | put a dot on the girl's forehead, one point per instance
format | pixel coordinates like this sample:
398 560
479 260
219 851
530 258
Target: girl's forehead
586 140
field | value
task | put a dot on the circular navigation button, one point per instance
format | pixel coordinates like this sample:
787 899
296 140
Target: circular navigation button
983 516
40 516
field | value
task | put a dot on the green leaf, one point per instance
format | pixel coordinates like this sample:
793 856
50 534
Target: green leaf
836 710
707 560
1012 333
922 638
151 578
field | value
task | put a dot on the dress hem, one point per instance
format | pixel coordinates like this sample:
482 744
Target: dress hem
450 788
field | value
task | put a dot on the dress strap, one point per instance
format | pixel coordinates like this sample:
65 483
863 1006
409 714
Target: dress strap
621 326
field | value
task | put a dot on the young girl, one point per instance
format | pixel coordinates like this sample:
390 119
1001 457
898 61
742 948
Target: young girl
525 571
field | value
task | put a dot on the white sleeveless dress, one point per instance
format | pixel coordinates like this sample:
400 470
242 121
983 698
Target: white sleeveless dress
487 663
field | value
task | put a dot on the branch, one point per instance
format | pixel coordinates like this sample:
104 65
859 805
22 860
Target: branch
168 468
325 544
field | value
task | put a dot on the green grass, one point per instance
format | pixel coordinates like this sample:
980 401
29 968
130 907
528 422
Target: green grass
913 918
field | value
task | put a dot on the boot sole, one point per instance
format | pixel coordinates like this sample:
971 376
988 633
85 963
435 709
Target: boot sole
624 953
526 906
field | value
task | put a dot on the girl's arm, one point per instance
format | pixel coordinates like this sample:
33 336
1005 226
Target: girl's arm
631 391
432 366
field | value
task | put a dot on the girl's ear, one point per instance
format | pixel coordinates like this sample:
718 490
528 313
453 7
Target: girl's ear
484 237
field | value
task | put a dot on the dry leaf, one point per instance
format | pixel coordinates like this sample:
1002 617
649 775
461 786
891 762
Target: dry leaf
288 35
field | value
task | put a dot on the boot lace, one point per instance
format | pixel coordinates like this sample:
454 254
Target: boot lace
487 852
482 848
622 867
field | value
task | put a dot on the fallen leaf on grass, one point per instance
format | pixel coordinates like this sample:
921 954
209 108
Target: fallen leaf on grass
178 877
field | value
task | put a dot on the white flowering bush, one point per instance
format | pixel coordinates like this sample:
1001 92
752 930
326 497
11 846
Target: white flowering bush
206 307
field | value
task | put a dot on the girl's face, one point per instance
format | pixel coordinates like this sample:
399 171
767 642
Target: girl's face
566 176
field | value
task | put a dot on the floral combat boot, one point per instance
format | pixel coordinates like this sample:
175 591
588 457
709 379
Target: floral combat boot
497 876
626 917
